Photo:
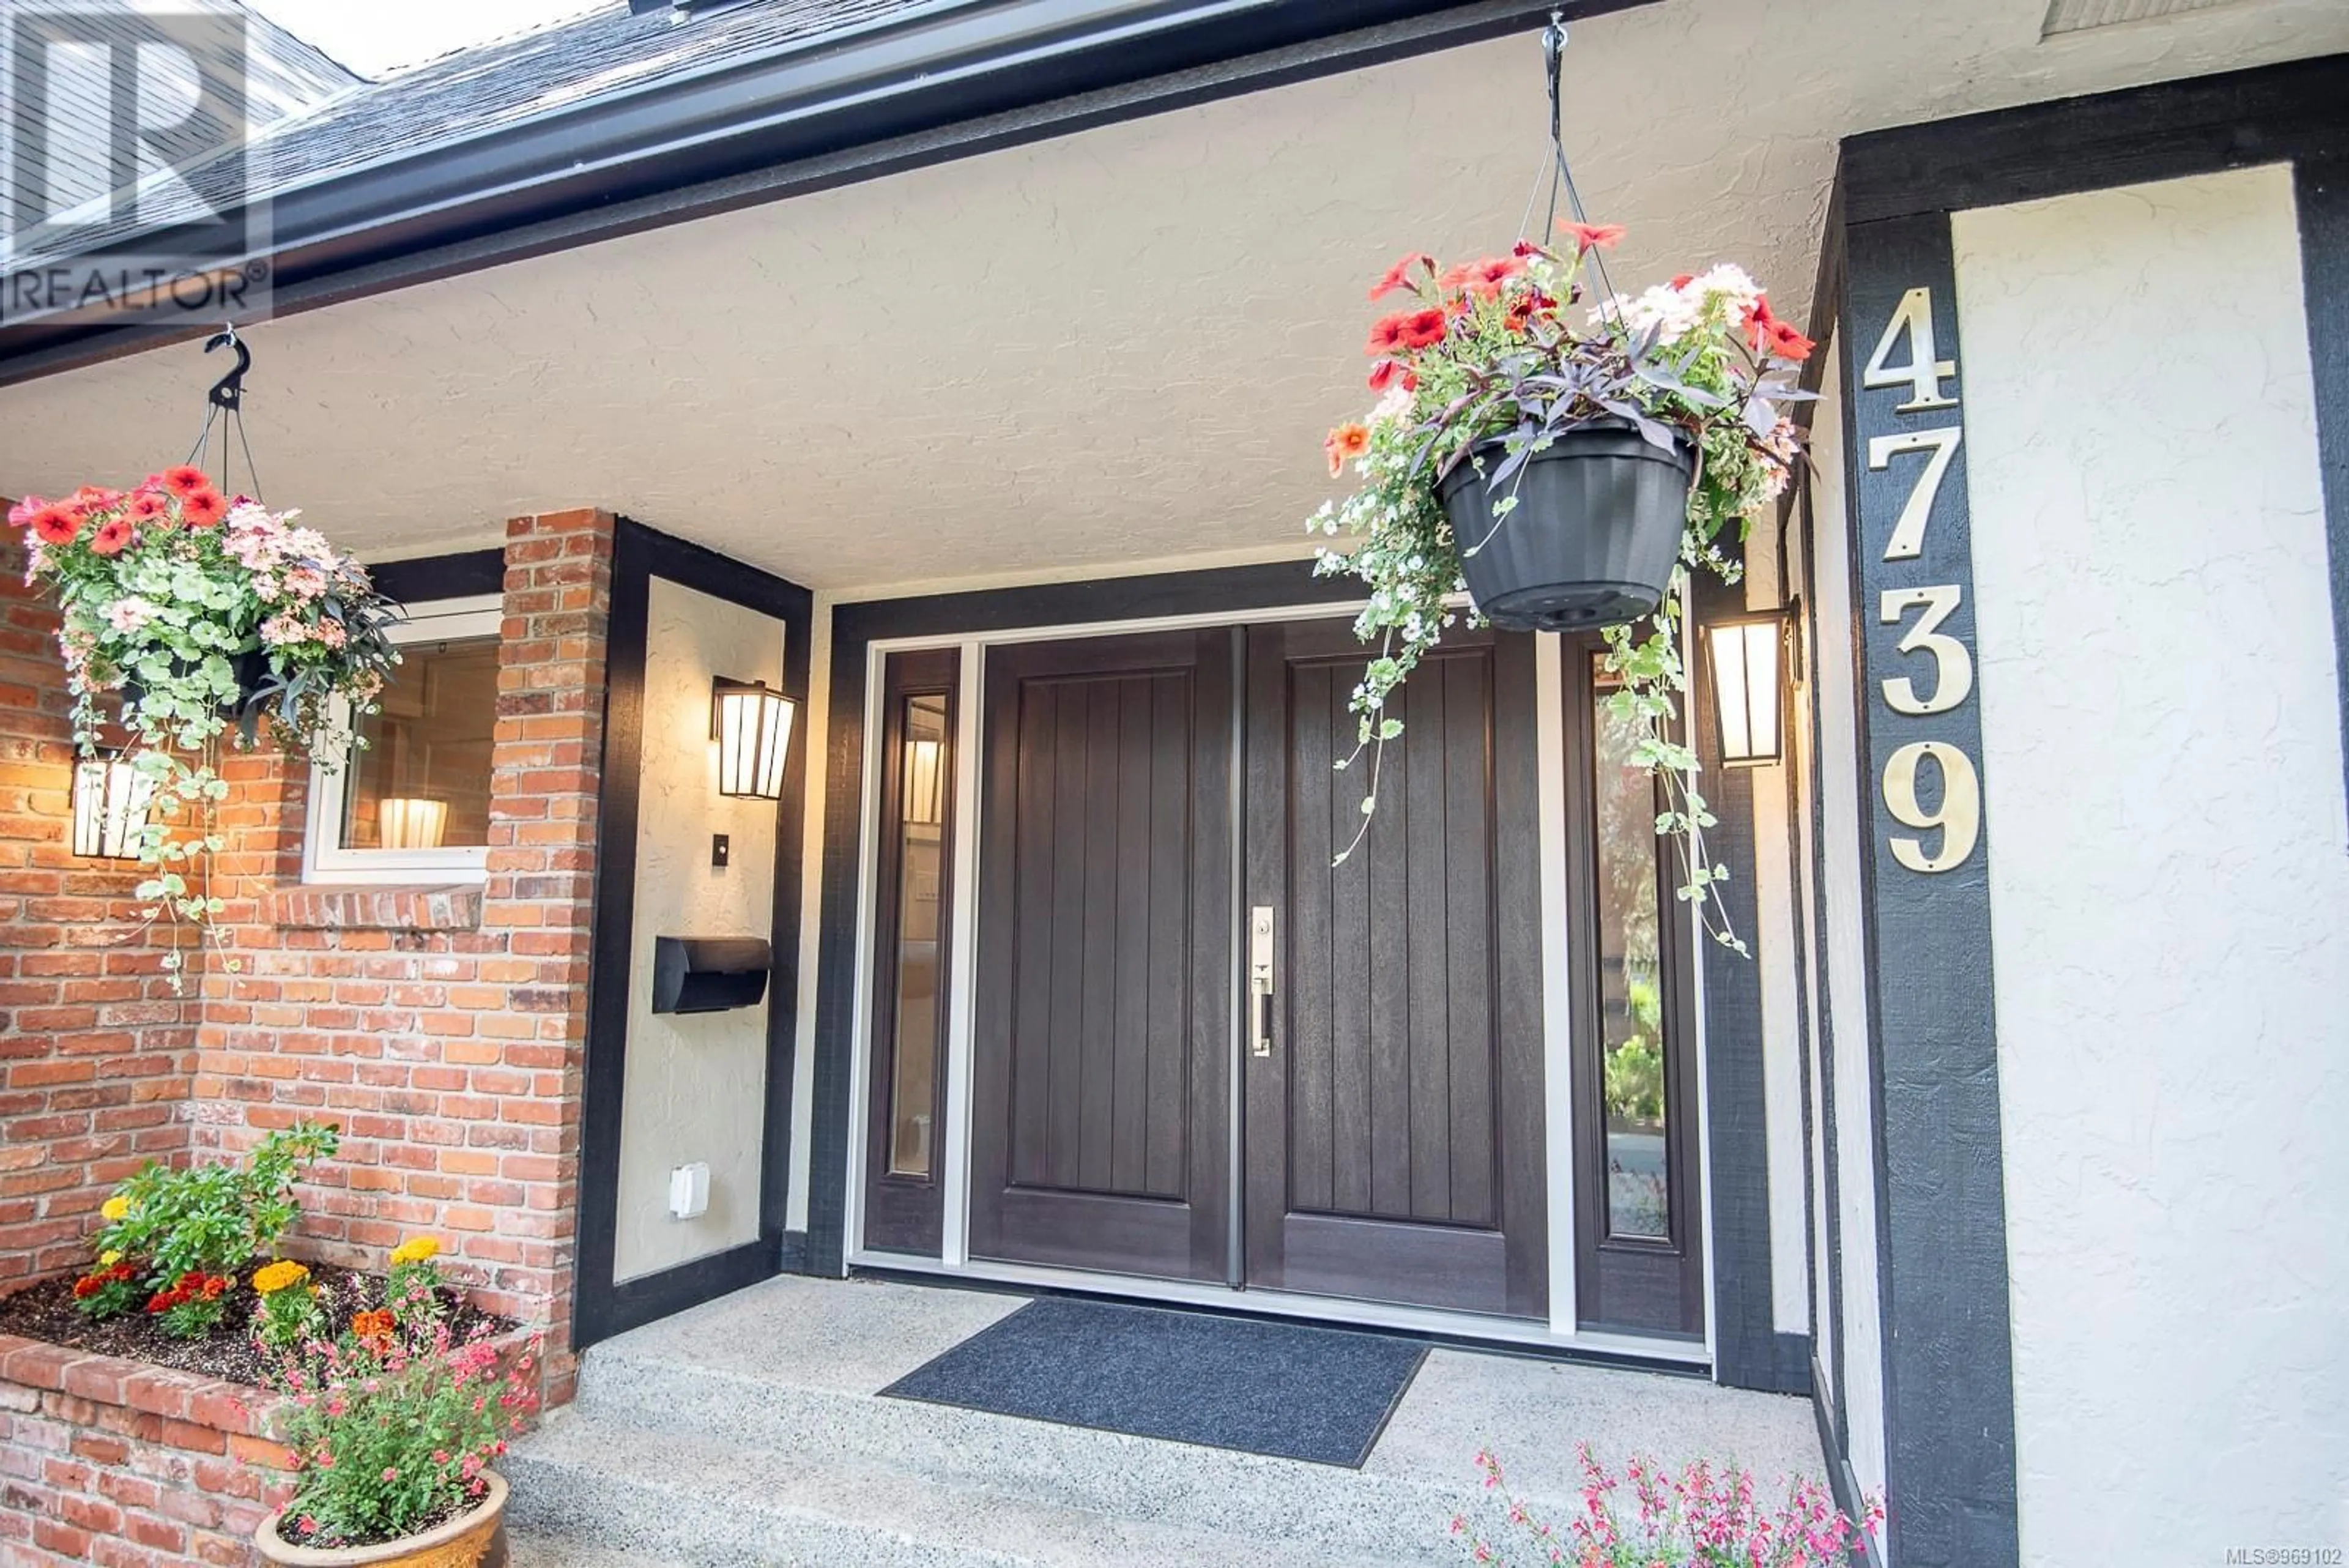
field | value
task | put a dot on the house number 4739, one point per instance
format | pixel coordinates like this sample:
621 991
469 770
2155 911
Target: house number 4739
1955 806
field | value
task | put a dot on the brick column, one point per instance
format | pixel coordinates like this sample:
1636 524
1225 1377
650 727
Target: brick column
95 1052
444 1028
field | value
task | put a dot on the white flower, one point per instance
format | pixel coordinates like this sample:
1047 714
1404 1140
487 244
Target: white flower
1394 405
131 613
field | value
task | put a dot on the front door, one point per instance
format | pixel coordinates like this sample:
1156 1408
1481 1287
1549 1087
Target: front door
1390 1146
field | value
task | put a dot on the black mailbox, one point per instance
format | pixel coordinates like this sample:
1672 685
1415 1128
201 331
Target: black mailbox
708 974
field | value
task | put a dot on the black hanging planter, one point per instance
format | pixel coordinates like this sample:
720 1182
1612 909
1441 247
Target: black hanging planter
1594 535
251 671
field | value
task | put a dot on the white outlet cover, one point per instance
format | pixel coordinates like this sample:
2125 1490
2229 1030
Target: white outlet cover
688 1192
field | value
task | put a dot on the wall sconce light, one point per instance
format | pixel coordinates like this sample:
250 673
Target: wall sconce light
1746 654
409 822
923 798
751 723
110 799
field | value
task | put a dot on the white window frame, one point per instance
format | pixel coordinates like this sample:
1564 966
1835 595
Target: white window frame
325 860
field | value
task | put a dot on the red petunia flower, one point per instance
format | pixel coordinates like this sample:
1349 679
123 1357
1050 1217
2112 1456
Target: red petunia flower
55 524
1788 343
185 479
97 498
1345 443
1484 279
1399 275
113 537
1591 237
1522 310
146 507
1523 248
1423 327
1386 334
1684 279
1383 375
203 508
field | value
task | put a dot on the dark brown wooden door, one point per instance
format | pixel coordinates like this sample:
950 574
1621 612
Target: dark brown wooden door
1101 1108
1393 1133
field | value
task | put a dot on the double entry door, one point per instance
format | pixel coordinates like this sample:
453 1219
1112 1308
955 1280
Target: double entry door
1227 1030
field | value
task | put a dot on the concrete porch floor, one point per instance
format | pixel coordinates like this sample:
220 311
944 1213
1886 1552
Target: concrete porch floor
748 1431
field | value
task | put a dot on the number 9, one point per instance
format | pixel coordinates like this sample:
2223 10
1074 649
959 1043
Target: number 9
1958 817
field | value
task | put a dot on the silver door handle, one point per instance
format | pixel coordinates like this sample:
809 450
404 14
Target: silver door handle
1260 980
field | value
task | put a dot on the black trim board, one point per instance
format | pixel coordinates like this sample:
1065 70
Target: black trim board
855 627
602 1307
925 85
2321 190
424 578
1940 1206
2274 114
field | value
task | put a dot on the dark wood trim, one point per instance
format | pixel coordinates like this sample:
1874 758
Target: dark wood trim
2273 114
1745 1340
1233 590
1940 1216
908 1214
2320 189
424 578
1665 1279
602 1307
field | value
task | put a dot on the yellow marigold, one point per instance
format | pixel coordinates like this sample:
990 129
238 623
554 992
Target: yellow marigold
416 1250
109 1258
271 1278
115 1207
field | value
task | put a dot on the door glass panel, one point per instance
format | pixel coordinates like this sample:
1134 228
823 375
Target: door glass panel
923 772
1630 981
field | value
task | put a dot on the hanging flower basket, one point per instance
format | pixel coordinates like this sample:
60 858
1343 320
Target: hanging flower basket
1594 537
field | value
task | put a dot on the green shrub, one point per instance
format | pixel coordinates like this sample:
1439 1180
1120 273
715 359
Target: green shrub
210 1219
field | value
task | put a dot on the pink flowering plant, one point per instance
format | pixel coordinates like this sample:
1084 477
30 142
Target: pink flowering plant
1702 1517
393 1422
195 612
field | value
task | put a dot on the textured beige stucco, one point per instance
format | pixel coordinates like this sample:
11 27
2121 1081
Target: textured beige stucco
2170 901
1112 347
695 1084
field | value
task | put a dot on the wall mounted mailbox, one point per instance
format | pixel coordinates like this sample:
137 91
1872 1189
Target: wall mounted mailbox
708 974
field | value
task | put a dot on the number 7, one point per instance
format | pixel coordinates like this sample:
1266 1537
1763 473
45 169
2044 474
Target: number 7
1909 533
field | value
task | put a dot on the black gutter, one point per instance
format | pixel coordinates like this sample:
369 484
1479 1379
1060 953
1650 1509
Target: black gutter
939 82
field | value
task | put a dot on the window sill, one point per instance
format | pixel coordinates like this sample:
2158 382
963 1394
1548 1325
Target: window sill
382 907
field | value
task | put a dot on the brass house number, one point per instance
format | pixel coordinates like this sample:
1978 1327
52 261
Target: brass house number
1920 610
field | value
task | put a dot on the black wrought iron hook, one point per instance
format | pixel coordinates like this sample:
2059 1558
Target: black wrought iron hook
1553 56
228 392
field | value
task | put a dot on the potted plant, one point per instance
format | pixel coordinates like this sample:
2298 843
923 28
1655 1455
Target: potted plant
393 1424
1565 464
197 611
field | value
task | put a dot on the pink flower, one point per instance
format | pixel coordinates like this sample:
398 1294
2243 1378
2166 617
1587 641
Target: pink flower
391 1473
131 613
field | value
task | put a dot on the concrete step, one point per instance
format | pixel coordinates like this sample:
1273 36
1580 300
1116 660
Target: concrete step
1363 1516
590 1488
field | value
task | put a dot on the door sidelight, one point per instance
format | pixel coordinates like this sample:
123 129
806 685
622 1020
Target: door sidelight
1260 980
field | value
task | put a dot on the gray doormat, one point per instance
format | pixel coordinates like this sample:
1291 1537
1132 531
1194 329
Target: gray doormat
1288 1390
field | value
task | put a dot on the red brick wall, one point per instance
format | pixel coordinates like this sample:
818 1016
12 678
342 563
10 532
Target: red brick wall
95 1052
445 1032
126 1465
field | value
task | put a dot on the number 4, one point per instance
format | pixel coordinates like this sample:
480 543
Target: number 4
1922 373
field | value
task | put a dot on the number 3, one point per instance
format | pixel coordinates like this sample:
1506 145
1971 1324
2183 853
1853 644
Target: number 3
1958 817
1953 667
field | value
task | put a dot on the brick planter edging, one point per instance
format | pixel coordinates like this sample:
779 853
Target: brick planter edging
130 1465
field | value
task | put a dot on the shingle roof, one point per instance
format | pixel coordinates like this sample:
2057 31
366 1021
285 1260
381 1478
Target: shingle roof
602 53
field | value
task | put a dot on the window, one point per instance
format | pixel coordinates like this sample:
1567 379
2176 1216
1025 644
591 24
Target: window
413 802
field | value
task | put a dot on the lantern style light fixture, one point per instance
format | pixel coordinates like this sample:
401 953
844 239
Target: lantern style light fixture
1747 655
411 822
110 801
923 797
751 723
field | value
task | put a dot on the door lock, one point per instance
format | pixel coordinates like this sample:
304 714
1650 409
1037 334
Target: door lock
1260 980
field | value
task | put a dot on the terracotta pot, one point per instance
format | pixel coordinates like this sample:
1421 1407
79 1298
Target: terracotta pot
474 1539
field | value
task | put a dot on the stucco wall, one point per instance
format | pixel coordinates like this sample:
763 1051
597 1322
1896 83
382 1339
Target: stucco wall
2170 901
1845 1003
696 1086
